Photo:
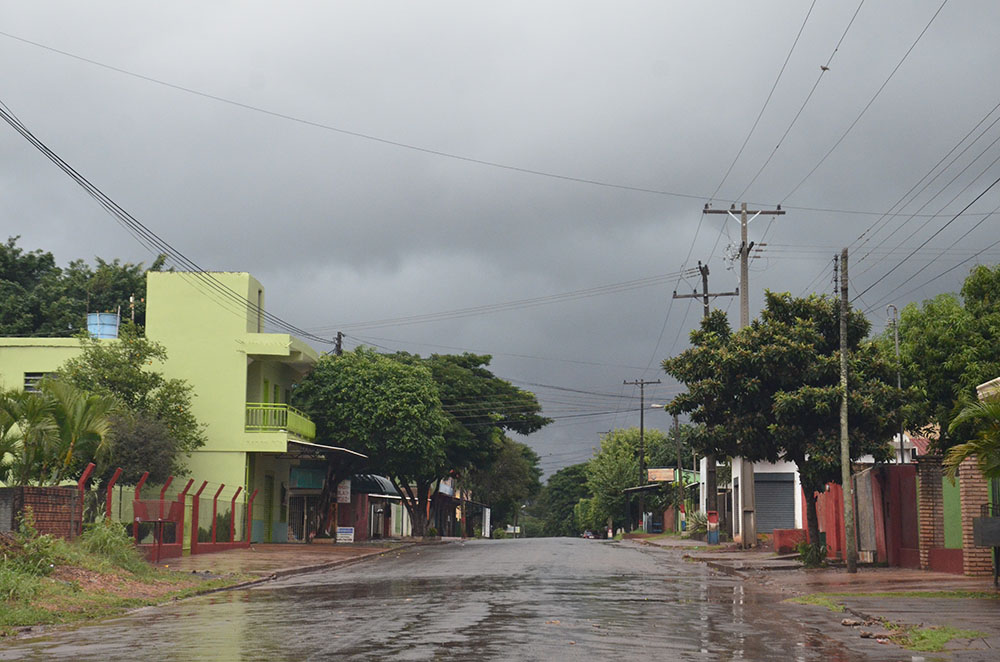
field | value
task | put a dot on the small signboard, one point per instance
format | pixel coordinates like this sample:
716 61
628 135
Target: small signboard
345 534
661 475
344 491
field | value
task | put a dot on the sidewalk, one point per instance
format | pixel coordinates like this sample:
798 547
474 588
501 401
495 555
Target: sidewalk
868 599
279 560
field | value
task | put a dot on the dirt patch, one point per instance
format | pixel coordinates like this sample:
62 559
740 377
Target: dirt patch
119 586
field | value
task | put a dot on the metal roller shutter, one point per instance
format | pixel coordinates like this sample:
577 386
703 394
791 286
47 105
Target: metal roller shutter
775 493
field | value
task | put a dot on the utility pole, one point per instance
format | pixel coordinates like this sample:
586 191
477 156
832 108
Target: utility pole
678 479
748 522
641 383
845 448
338 348
711 483
899 376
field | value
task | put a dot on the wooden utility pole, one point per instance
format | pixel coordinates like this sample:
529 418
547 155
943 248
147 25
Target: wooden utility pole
711 482
641 383
748 521
845 447
338 348
678 478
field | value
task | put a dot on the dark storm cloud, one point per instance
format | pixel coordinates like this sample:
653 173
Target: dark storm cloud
648 94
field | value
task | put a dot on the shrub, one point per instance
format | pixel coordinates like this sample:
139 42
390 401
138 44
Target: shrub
110 540
697 522
432 532
16 585
812 555
37 554
499 534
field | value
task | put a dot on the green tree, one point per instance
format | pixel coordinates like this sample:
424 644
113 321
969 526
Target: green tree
480 408
984 418
614 468
557 501
125 371
510 480
949 345
771 391
389 411
27 436
47 436
38 298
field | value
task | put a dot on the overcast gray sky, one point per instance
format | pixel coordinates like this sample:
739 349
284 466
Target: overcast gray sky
634 110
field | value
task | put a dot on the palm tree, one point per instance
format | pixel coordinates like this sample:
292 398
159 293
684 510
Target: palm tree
82 425
985 446
27 435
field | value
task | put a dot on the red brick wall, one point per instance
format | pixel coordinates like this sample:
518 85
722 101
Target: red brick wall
974 491
930 507
57 510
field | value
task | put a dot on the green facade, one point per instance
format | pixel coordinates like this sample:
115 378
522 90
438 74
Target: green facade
242 379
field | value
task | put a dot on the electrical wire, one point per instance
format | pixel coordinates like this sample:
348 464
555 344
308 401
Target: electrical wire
770 94
868 105
926 241
143 234
805 102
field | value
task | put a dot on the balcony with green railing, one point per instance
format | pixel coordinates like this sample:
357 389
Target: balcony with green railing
278 417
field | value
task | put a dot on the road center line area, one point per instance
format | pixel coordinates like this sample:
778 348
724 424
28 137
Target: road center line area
533 599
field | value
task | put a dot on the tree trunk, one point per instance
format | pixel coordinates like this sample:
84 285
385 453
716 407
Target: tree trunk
812 520
320 516
415 506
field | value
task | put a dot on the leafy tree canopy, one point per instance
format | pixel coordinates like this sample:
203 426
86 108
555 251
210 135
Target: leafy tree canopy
511 479
771 391
614 468
49 435
949 345
558 498
38 298
479 406
386 409
125 371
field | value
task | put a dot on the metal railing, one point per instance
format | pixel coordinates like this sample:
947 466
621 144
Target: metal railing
273 417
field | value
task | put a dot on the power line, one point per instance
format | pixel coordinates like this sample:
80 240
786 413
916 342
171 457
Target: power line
823 69
600 290
766 102
141 232
868 105
887 217
400 144
926 241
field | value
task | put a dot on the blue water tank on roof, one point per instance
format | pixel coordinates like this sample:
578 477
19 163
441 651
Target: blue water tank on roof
102 325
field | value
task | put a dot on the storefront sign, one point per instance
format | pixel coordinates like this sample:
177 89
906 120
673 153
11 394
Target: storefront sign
344 491
345 534
660 475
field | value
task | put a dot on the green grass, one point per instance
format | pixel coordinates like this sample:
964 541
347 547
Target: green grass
959 594
931 639
819 600
46 580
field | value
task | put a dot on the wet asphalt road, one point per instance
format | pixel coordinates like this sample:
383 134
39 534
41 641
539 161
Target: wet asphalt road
547 599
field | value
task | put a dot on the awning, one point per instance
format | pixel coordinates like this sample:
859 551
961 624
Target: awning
320 448
373 485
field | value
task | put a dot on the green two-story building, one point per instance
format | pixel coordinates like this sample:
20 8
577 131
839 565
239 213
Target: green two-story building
242 379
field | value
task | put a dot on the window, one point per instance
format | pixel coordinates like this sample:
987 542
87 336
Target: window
31 380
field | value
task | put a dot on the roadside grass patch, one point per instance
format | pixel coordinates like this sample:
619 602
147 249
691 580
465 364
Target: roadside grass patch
818 600
958 594
932 639
46 580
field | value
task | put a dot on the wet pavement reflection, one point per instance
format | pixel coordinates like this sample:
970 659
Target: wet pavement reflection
551 599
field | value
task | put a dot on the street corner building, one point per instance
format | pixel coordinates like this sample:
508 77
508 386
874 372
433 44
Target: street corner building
242 379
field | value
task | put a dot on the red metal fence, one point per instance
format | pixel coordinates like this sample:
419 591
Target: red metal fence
171 521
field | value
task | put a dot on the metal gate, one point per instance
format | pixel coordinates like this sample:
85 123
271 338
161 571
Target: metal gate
775 495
